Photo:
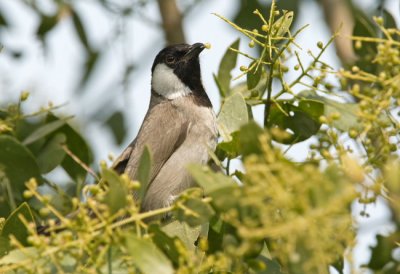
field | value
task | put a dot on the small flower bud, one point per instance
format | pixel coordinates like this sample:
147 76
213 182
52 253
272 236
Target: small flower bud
323 119
24 96
44 211
355 69
27 194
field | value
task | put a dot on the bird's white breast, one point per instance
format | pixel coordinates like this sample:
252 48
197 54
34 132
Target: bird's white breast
167 84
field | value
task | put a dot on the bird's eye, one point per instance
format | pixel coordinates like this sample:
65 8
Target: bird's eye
170 59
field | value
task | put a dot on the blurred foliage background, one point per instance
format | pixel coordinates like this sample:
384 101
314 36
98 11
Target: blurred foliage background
287 217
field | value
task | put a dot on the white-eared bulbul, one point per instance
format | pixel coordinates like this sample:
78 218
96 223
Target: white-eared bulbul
179 127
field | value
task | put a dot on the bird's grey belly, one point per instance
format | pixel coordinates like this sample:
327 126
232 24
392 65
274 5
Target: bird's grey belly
173 177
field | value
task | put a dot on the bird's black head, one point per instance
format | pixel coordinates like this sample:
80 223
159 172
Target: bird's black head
176 71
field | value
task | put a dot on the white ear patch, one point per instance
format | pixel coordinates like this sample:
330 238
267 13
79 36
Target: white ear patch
167 84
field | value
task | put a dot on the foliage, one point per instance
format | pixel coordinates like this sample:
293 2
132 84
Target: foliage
275 216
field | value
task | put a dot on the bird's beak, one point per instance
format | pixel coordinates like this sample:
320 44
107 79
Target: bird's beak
194 51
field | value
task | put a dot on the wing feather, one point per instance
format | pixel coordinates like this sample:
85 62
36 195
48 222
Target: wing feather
164 129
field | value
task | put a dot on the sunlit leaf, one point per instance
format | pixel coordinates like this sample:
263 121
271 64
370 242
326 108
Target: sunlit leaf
282 25
298 122
228 63
117 192
209 180
232 116
229 149
147 257
187 234
263 265
249 139
18 255
221 188
165 242
348 111
194 211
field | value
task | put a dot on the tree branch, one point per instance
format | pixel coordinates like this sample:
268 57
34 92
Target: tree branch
337 13
172 21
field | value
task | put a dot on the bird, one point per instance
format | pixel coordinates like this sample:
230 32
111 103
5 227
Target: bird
179 128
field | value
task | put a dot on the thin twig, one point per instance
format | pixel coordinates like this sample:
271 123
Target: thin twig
78 161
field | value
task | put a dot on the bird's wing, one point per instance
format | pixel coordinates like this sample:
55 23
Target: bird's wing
163 131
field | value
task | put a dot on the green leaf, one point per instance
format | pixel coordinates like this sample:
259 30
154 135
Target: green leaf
229 149
117 192
14 225
264 265
246 20
348 115
147 257
4 245
232 116
3 21
228 63
301 121
249 139
78 146
165 242
282 25
18 255
80 30
188 235
47 23
143 174
208 180
348 111
52 153
254 75
44 130
221 188
382 252
215 235
18 165
193 210
365 27
116 123
389 20
90 64
339 265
